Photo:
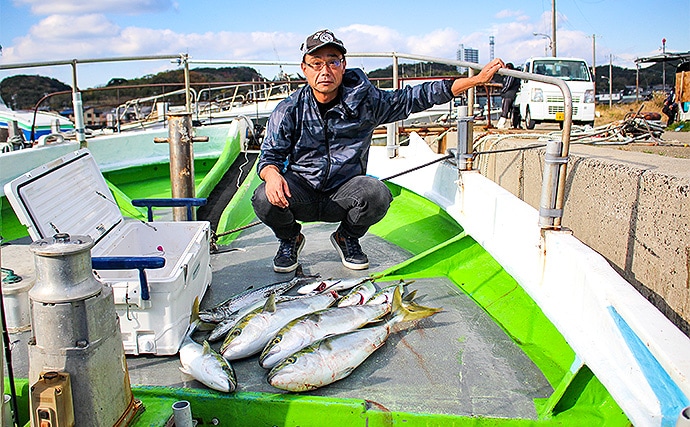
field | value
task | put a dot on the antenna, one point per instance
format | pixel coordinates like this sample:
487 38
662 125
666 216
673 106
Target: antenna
281 74
491 48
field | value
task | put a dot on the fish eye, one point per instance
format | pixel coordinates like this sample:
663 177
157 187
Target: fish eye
236 332
277 339
290 360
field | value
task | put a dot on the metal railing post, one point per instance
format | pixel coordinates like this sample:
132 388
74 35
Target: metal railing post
392 136
180 139
187 83
78 108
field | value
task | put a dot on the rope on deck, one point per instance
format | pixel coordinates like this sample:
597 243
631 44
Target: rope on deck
635 127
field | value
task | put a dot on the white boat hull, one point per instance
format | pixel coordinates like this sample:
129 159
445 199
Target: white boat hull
635 351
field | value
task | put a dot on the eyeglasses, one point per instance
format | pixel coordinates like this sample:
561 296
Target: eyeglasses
332 64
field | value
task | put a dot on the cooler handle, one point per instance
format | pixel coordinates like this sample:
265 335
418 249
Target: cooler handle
130 263
170 203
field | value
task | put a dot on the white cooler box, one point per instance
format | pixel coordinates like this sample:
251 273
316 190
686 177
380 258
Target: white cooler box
69 195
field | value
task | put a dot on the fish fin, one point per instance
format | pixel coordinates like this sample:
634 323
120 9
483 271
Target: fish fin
270 305
410 311
206 348
194 320
410 296
404 283
195 311
206 326
375 277
326 344
184 370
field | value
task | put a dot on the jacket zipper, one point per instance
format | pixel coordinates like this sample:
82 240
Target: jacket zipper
328 152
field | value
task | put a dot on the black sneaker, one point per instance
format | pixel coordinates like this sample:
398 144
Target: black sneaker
285 260
350 252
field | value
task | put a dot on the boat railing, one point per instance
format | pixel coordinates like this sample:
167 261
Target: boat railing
146 116
556 158
237 95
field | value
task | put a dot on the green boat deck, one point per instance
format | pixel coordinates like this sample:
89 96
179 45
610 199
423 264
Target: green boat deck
489 358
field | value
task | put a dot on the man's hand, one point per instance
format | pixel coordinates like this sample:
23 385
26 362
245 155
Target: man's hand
277 190
487 73
460 85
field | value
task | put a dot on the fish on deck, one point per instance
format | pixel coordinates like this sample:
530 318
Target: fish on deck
334 358
202 362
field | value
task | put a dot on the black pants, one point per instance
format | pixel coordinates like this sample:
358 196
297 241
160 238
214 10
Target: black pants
507 105
671 113
358 204
517 118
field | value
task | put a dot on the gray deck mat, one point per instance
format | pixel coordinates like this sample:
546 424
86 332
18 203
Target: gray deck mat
456 362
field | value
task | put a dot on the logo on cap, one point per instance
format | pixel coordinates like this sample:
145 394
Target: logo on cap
326 37
319 39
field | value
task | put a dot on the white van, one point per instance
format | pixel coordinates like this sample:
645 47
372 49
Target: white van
541 102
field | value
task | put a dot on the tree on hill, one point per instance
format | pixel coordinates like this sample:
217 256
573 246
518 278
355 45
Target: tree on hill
22 92
117 90
407 70
650 77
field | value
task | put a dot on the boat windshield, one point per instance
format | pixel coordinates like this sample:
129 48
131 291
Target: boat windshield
567 70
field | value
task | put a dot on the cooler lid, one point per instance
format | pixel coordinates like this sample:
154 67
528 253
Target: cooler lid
67 195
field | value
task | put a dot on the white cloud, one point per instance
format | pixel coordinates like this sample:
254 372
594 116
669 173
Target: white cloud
60 37
511 14
63 37
370 38
75 7
442 43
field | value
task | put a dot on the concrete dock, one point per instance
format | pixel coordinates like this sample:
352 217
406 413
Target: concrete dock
633 207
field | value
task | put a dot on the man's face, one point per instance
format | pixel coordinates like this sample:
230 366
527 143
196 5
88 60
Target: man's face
326 80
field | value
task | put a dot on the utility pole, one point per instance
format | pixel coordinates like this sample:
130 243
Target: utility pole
610 80
594 61
637 82
594 66
553 28
663 63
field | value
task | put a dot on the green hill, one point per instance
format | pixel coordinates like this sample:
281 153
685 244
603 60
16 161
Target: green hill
24 91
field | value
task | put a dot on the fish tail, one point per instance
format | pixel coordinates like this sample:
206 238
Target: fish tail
194 320
408 311
299 273
195 311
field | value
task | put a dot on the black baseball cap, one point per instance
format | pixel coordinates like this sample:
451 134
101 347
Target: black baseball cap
320 39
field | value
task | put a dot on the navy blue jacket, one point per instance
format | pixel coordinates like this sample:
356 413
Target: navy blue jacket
331 150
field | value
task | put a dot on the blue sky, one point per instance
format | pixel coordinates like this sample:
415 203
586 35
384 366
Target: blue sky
44 30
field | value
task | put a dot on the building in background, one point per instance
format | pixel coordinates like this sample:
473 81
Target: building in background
467 55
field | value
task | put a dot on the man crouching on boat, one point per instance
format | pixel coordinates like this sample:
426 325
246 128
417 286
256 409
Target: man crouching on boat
314 156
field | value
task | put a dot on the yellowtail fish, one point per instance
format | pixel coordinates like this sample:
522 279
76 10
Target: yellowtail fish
255 330
252 296
335 357
331 285
385 295
221 329
309 328
359 294
203 363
